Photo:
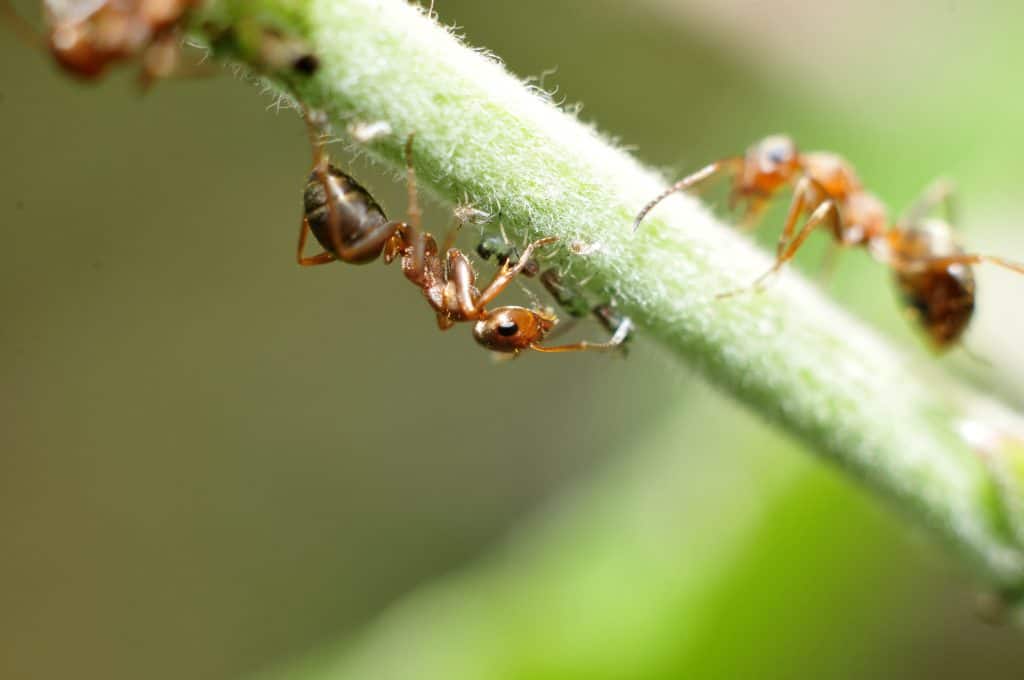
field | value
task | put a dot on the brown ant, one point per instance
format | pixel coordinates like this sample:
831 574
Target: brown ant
569 298
86 37
351 226
932 272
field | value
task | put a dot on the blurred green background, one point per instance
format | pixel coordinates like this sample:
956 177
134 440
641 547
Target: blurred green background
214 460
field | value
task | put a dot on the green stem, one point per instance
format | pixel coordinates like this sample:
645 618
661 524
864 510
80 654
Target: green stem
485 138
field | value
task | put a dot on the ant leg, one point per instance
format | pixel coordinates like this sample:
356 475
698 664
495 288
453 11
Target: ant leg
415 214
940 263
621 327
424 269
319 258
618 338
451 235
370 244
689 182
940 192
414 233
828 264
753 214
460 273
316 122
507 273
824 213
574 302
796 208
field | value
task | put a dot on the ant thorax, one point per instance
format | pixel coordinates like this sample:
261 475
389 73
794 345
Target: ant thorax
864 219
832 173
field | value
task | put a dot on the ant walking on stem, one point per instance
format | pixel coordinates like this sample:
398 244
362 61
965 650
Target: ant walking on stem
350 226
932 272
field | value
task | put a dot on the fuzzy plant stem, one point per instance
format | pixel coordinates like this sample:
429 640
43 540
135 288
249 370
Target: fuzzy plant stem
485 138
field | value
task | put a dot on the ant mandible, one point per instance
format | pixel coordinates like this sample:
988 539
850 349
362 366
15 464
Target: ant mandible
86 37
351 227
932 272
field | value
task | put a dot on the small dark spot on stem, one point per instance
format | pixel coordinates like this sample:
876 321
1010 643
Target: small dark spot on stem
307 64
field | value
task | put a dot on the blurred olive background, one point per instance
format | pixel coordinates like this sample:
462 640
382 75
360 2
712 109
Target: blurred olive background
214 460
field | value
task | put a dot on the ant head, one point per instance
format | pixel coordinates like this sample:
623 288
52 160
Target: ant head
511 329
771 163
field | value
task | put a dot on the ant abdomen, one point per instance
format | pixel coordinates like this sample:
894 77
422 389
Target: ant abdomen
341 213
940 298
941 301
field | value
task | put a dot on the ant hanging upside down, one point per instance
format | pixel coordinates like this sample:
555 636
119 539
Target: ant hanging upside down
351 227
932 272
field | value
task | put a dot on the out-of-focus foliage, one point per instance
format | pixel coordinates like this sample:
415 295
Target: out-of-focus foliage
213 459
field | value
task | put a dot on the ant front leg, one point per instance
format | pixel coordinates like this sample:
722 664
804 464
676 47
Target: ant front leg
507 273
752 214
313 260
689 182
617 340
826 213
315 123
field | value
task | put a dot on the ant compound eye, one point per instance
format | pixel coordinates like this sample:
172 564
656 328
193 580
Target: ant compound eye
508 328
778 154
776 150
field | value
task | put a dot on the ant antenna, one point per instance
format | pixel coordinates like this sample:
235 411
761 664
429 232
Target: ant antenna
26 31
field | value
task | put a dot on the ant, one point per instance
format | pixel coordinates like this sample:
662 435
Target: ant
571 299
86 37
932 272
351 227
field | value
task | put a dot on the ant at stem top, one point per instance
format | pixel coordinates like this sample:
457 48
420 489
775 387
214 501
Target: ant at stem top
932 271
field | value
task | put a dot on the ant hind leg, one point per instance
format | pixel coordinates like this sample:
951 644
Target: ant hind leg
320 258
940 263
825 213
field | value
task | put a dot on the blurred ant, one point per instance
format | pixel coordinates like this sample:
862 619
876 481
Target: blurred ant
932 272
570 299
351 227
87 36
